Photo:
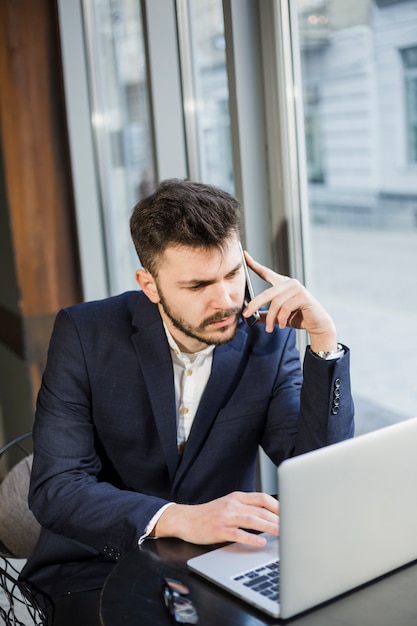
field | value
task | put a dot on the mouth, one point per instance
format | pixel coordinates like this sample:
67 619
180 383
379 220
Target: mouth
223 323
221 320
226 321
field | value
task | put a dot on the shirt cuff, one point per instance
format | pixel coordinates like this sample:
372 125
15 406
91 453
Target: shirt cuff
152 523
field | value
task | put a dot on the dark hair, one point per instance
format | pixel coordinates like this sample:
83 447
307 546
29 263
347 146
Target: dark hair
183 213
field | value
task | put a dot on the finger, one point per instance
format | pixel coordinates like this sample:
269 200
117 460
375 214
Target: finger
293 321
239 535
264 272
296 319
262 317
287 305
261 300
258 499
249 526
289 314
257 523
282 289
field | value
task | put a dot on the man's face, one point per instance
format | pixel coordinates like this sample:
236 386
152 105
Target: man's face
201 294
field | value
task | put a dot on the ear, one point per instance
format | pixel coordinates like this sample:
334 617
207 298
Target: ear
147 283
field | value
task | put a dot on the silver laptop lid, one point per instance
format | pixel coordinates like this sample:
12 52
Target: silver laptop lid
348 515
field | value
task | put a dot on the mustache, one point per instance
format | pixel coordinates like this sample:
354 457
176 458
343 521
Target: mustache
220 316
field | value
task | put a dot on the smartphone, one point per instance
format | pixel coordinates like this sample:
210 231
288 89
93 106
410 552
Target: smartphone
249 293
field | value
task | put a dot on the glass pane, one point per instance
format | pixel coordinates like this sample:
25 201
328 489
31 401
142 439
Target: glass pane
409 56
121 124
360 122
206 95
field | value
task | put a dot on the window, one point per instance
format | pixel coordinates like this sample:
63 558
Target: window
205 89
121 124
362 198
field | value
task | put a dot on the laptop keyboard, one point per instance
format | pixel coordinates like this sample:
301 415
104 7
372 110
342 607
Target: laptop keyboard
263 580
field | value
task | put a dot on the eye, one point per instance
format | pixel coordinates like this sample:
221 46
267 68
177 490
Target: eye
234 273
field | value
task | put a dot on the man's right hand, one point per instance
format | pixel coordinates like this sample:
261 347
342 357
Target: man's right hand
222 520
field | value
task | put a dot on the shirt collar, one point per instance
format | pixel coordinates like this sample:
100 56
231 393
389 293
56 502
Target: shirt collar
199 355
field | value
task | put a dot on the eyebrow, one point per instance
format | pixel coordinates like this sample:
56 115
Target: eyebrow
195 281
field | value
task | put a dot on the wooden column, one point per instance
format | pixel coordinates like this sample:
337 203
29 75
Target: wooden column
37 179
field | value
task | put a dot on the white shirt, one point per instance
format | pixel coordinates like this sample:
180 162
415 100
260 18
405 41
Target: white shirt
191 373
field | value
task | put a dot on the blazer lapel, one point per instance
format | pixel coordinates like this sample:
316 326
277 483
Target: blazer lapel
226 369
154 357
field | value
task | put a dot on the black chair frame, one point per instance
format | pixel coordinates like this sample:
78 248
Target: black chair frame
22 602
21 598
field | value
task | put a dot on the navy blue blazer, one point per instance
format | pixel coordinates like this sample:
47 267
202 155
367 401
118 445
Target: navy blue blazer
106 456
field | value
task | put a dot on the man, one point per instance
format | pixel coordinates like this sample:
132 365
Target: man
153 403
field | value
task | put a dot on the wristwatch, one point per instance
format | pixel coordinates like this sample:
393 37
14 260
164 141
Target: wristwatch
331 354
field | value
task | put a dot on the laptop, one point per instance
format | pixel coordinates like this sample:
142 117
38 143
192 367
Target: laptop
348 514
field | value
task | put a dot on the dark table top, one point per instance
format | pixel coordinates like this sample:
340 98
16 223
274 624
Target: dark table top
132 595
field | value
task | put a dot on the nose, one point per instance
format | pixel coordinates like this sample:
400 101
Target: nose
222 296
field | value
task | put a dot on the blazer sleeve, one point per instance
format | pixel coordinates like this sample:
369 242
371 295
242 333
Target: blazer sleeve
320 414
326 408
68 494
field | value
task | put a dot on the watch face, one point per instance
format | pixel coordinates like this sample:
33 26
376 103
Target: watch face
331 353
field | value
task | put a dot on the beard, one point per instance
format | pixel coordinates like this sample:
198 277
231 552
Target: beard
197 332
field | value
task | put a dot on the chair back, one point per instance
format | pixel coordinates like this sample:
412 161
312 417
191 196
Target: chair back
19 604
